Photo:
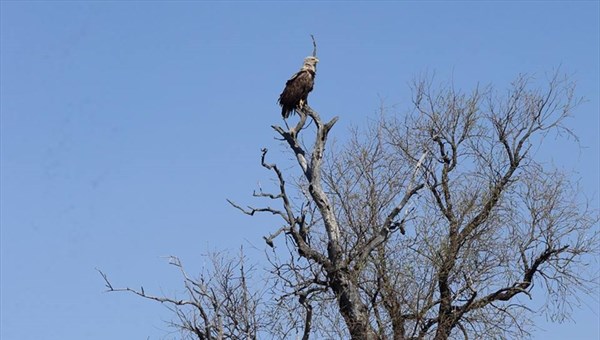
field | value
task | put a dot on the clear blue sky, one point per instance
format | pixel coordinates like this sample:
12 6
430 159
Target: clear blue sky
126 125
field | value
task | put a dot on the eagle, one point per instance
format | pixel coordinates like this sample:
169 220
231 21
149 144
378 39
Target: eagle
295 93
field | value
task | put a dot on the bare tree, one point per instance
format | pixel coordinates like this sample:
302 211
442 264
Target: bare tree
219 303
438 223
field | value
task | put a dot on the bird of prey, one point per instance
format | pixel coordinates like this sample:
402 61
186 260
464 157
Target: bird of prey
295 93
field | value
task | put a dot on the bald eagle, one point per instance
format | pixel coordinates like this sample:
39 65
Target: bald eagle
295 93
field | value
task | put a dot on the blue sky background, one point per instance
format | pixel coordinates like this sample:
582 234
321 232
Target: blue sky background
126 125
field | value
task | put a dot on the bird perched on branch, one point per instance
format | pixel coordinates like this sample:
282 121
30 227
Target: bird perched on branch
295 93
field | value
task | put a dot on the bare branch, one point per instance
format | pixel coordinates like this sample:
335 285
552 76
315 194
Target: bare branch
251 211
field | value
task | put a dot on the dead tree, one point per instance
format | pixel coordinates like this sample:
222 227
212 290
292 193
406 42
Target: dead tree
434 224
218 304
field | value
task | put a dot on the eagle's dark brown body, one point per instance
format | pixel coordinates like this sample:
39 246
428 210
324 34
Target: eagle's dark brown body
295 93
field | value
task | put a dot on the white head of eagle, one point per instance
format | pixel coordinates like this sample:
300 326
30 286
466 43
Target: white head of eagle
295 93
